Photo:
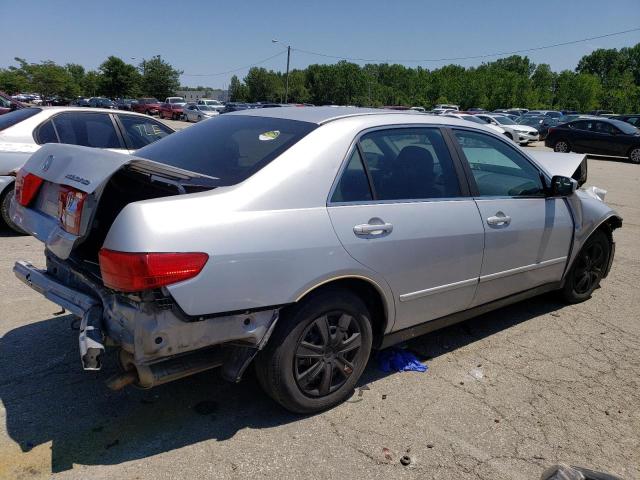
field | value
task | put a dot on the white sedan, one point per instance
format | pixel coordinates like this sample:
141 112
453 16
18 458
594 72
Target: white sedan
24 131
196 113
521 134
475 119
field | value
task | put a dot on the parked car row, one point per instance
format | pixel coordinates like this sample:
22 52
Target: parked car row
24 131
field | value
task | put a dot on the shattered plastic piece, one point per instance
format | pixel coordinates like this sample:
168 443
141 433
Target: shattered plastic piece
398 360
477 374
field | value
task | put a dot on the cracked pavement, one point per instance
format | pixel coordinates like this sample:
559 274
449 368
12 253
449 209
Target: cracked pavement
506 394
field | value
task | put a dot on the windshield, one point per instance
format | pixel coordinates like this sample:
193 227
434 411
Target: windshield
473 119
624 126
205 107
531 120
176 100
10 119
228 147
504 120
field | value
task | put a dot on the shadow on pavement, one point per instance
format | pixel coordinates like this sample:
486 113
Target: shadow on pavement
48 397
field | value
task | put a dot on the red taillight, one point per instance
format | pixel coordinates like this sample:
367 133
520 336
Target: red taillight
134 272
26 187
70 203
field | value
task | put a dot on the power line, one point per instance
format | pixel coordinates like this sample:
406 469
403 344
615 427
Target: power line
471 57
235 69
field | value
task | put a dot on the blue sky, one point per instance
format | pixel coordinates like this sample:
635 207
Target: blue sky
204 37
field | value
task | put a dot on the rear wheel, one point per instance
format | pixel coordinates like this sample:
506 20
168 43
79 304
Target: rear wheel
588 268
147 112
561 146
317 352
634 155
5 201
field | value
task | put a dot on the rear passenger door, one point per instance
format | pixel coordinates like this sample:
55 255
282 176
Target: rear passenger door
400 208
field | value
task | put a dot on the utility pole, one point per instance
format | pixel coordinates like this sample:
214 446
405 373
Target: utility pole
286 88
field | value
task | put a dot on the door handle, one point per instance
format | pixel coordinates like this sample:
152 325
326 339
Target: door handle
372 229
499 219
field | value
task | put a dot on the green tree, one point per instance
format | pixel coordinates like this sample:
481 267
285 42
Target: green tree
159 78
118 79
238 91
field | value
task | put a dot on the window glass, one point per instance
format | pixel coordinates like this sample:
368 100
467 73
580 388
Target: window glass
46 133
230 148
604 127
498 169
581 125
353 185
87 129
410 163
10 119
141 131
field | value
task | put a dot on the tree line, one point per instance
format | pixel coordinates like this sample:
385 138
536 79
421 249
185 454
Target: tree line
114 79
604 79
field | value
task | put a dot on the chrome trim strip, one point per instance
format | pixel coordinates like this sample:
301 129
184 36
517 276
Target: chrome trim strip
439 289
525 268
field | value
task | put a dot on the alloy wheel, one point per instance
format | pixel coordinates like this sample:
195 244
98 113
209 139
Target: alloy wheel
561 147
589 268
326 354
635 155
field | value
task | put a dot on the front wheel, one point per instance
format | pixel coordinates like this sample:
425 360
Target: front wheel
634 155
588 268
561 146
317 352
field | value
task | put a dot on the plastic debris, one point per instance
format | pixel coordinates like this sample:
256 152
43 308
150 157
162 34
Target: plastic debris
398 360
405 460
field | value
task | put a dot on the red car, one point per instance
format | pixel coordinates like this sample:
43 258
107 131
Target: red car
150 106
8 104
172 108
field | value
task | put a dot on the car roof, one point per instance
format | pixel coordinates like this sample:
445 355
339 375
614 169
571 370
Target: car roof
320 115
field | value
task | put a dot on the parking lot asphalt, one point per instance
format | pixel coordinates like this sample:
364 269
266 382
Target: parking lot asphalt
506 394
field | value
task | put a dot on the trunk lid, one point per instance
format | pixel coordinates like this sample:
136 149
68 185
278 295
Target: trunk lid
119 178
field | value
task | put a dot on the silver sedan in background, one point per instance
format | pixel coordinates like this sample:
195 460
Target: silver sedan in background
194 113
300 239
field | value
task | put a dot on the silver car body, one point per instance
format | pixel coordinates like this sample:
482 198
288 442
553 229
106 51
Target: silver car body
275 237
196 112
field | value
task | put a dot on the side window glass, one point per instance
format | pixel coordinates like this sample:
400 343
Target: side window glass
46 133
87 129
410 164
353 185
497 168
141 131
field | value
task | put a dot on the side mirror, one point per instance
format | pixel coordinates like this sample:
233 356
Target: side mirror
562 186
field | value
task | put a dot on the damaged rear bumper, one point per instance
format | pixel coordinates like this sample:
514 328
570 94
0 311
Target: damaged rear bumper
155 340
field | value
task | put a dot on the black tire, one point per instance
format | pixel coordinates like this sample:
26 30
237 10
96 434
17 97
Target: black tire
312 361
147 112
634 155
588 268
562 146
5 201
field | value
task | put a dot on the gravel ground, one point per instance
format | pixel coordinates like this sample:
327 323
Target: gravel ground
506 394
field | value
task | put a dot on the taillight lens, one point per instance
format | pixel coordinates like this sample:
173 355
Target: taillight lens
70 204
134 272
26 187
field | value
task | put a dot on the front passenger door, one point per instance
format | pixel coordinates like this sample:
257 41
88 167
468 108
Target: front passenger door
527 235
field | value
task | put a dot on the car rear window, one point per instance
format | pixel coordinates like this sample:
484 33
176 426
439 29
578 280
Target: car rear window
10 119
229 147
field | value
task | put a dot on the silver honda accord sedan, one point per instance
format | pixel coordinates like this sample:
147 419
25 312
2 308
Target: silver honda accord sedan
299 239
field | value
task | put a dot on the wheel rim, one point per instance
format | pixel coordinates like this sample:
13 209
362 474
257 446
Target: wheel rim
327 353
635 155
561 147
589 268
